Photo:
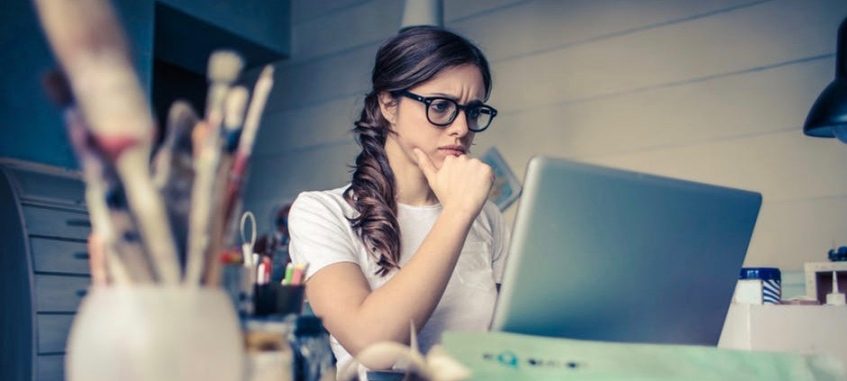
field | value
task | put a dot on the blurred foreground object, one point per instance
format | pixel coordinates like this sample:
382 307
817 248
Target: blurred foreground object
149 319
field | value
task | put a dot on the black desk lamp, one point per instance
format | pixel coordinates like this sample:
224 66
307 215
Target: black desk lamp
828 117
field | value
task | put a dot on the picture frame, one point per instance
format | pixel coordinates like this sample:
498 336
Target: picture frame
507 188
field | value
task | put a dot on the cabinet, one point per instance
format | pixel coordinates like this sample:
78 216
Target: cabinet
43 267
786 328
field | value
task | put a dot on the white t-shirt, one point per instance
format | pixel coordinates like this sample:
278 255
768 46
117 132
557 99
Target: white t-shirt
321 235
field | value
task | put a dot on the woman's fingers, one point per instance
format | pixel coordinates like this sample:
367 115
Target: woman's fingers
461 183
426 165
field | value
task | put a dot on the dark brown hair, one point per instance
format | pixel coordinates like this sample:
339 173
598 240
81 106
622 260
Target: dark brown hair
411 57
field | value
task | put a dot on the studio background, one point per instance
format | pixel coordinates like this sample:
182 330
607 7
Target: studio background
713 91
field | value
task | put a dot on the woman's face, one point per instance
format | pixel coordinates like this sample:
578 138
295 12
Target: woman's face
408 118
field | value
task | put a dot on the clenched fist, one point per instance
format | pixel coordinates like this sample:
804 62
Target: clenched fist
461 184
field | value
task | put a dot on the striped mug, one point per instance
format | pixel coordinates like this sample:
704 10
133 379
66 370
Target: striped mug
759 285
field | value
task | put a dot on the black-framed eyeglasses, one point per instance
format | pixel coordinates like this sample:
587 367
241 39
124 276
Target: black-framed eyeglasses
442 111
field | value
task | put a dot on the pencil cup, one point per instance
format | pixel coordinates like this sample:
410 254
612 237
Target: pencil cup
275 299
155 333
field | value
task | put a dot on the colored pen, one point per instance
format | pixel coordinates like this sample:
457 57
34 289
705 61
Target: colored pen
289 274
297 278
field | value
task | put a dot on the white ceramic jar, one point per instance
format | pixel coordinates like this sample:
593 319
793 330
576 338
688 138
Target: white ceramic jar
155 333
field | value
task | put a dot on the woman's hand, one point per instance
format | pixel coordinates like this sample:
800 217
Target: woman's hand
461 184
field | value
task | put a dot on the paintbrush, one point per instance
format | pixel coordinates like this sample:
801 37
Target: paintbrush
222 234
261 91
245 145
56 87
87 40
231 203
236 104
124 260
224 68
234 107
173 171
176 151
202 199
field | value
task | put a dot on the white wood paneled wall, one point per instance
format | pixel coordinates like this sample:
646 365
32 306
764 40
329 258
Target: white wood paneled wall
713 91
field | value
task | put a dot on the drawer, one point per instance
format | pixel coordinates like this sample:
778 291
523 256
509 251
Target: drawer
56 223
52 255
37 186
50 368
53 332
55 293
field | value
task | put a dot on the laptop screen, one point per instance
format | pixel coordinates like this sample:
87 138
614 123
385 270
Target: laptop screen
613 255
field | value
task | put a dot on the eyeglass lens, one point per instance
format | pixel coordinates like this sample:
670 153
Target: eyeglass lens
444 111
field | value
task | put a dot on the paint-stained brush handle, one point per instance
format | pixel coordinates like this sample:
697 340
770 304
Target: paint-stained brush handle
92 49
110 260
173 170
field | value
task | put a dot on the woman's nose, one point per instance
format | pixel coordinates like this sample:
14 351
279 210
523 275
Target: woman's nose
459 127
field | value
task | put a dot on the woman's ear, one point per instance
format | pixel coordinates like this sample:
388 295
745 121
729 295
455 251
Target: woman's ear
388 107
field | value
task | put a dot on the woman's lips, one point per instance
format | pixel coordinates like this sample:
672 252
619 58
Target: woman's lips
453 150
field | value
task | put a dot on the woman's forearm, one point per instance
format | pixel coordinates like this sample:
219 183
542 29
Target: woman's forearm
414 291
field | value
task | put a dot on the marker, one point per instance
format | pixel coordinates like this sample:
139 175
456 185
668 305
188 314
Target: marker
289 274
296 275
266 261
299 274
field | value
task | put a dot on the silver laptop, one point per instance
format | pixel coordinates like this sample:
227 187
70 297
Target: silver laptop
612 255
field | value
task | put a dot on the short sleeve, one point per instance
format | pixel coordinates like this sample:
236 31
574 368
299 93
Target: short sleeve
320 233
501 243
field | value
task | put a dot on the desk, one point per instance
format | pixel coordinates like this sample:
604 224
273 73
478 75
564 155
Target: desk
787 328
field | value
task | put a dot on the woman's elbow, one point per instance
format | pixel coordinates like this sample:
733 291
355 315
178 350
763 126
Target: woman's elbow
378 354
365 338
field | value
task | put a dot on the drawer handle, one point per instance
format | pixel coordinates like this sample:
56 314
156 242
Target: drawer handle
81 255
81 292
79 222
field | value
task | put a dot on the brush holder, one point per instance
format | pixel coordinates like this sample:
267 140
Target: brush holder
155 333
275 299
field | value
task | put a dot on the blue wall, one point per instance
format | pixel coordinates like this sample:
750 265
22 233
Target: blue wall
266 22
31 127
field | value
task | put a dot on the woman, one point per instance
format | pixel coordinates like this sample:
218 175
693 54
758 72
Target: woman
412 238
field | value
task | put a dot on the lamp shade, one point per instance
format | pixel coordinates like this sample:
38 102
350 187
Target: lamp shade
422 12
828 116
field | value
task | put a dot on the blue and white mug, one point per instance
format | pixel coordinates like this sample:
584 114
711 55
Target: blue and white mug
759 285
